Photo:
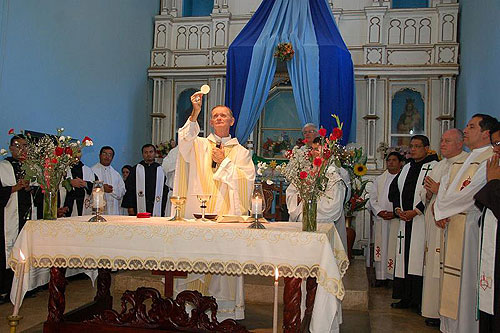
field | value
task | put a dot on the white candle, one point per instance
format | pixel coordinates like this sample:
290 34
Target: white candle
19 292
275 309
256 205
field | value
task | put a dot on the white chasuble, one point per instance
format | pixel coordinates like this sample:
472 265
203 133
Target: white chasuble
417 241
379 201
140 186
459 281
230 185
111 177
433 235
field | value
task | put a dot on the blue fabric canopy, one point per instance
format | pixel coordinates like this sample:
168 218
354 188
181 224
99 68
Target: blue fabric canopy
321 71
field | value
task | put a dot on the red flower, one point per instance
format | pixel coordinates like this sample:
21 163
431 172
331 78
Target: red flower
326 153
59 151
11 131
305 141
54 161
85 139
303 175
317 161
336 134
322 132
68 151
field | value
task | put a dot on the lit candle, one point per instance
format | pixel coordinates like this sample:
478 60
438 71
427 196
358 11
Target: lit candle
257 205
19 292
275 309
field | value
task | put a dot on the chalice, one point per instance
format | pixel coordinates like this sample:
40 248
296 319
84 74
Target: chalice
203 198
178 202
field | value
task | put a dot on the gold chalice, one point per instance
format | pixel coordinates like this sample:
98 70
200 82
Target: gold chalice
178 202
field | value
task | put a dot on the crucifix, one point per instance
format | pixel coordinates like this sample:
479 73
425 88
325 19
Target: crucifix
400 236
426 172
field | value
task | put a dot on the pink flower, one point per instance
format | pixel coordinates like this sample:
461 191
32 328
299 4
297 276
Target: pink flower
303 175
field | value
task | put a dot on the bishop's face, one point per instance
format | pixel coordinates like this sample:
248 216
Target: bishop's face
221 120
495 141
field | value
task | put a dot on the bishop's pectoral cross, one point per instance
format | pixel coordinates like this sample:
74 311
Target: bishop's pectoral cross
400 236
426 172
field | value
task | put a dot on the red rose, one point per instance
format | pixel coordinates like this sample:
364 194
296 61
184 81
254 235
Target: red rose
68 151
59 151
303 175
54 161
11 131
317 161
336 134
305 141
322 132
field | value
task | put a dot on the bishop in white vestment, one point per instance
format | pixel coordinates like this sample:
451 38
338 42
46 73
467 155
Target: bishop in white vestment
114 186
217 165
454 209
385 220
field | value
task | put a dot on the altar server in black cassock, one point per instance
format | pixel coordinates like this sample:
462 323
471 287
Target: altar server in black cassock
146 189
404 195
77 200
488 199
15 208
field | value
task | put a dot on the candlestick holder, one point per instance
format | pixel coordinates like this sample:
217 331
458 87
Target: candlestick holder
258 206
98 201
14 322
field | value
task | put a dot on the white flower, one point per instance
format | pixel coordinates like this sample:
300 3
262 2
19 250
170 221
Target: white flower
62 129
269 182
68 137
78 142
89 143
62 138
3 152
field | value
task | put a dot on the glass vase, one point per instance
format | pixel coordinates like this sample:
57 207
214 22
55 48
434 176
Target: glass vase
309 214
50 205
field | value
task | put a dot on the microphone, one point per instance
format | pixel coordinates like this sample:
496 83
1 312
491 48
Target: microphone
214 165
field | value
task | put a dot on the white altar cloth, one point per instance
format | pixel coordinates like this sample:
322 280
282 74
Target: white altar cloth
126 242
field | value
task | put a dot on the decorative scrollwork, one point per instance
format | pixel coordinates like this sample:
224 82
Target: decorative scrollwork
167 313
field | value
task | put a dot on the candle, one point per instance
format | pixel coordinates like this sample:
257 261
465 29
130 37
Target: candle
257 205
20 279
275 309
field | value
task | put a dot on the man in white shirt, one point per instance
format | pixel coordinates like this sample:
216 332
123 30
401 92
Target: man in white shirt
114 186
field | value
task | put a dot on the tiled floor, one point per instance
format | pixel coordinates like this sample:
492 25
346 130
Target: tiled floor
379 318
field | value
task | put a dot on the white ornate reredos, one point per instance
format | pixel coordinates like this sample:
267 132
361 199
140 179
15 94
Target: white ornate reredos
391 49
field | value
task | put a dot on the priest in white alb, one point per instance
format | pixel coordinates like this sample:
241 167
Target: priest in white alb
169 164
451 150
217 165
114 186
454 209
384 221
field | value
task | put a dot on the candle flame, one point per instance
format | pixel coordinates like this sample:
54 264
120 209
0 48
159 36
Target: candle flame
276 274
23 258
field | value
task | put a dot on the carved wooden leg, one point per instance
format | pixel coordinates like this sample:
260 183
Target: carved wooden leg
291 299
103 294
57 287
311 287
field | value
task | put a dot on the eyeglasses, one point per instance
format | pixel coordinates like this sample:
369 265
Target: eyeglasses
496 144
416 146
309 132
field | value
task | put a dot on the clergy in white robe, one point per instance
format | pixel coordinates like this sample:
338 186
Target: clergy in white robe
78 199
404 194
454 209
451 149
114 186
217 165
168 165
384 217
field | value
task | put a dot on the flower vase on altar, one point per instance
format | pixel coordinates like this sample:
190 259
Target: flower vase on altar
50 205
309 214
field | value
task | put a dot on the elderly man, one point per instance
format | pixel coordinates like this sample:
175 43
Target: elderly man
219 166
487 199
114 187
310 132
454 209
404 193
451 149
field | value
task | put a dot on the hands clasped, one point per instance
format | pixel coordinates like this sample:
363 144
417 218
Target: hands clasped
218 154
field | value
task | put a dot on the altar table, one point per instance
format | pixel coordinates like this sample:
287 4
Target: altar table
126 242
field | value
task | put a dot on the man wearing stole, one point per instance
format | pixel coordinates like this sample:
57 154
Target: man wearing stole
451 149
454 210
487 199
217 165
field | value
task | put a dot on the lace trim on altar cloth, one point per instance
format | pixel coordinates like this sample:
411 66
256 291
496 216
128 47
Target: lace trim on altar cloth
332 285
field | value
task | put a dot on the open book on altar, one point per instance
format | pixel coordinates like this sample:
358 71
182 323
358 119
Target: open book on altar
238 219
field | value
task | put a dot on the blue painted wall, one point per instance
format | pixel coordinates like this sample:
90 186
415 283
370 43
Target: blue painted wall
410 3
81 65
478 85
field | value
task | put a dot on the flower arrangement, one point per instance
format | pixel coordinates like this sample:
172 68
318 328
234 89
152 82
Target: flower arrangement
284 51
355 164
272 148
163 148
266 172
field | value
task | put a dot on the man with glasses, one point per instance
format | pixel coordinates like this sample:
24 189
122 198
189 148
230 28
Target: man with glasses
114 187
455 211
404 193
15 207
310 132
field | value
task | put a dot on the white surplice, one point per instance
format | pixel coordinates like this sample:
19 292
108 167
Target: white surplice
111 177
230 185
449 202
330 205
168 165
431 287
379 201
